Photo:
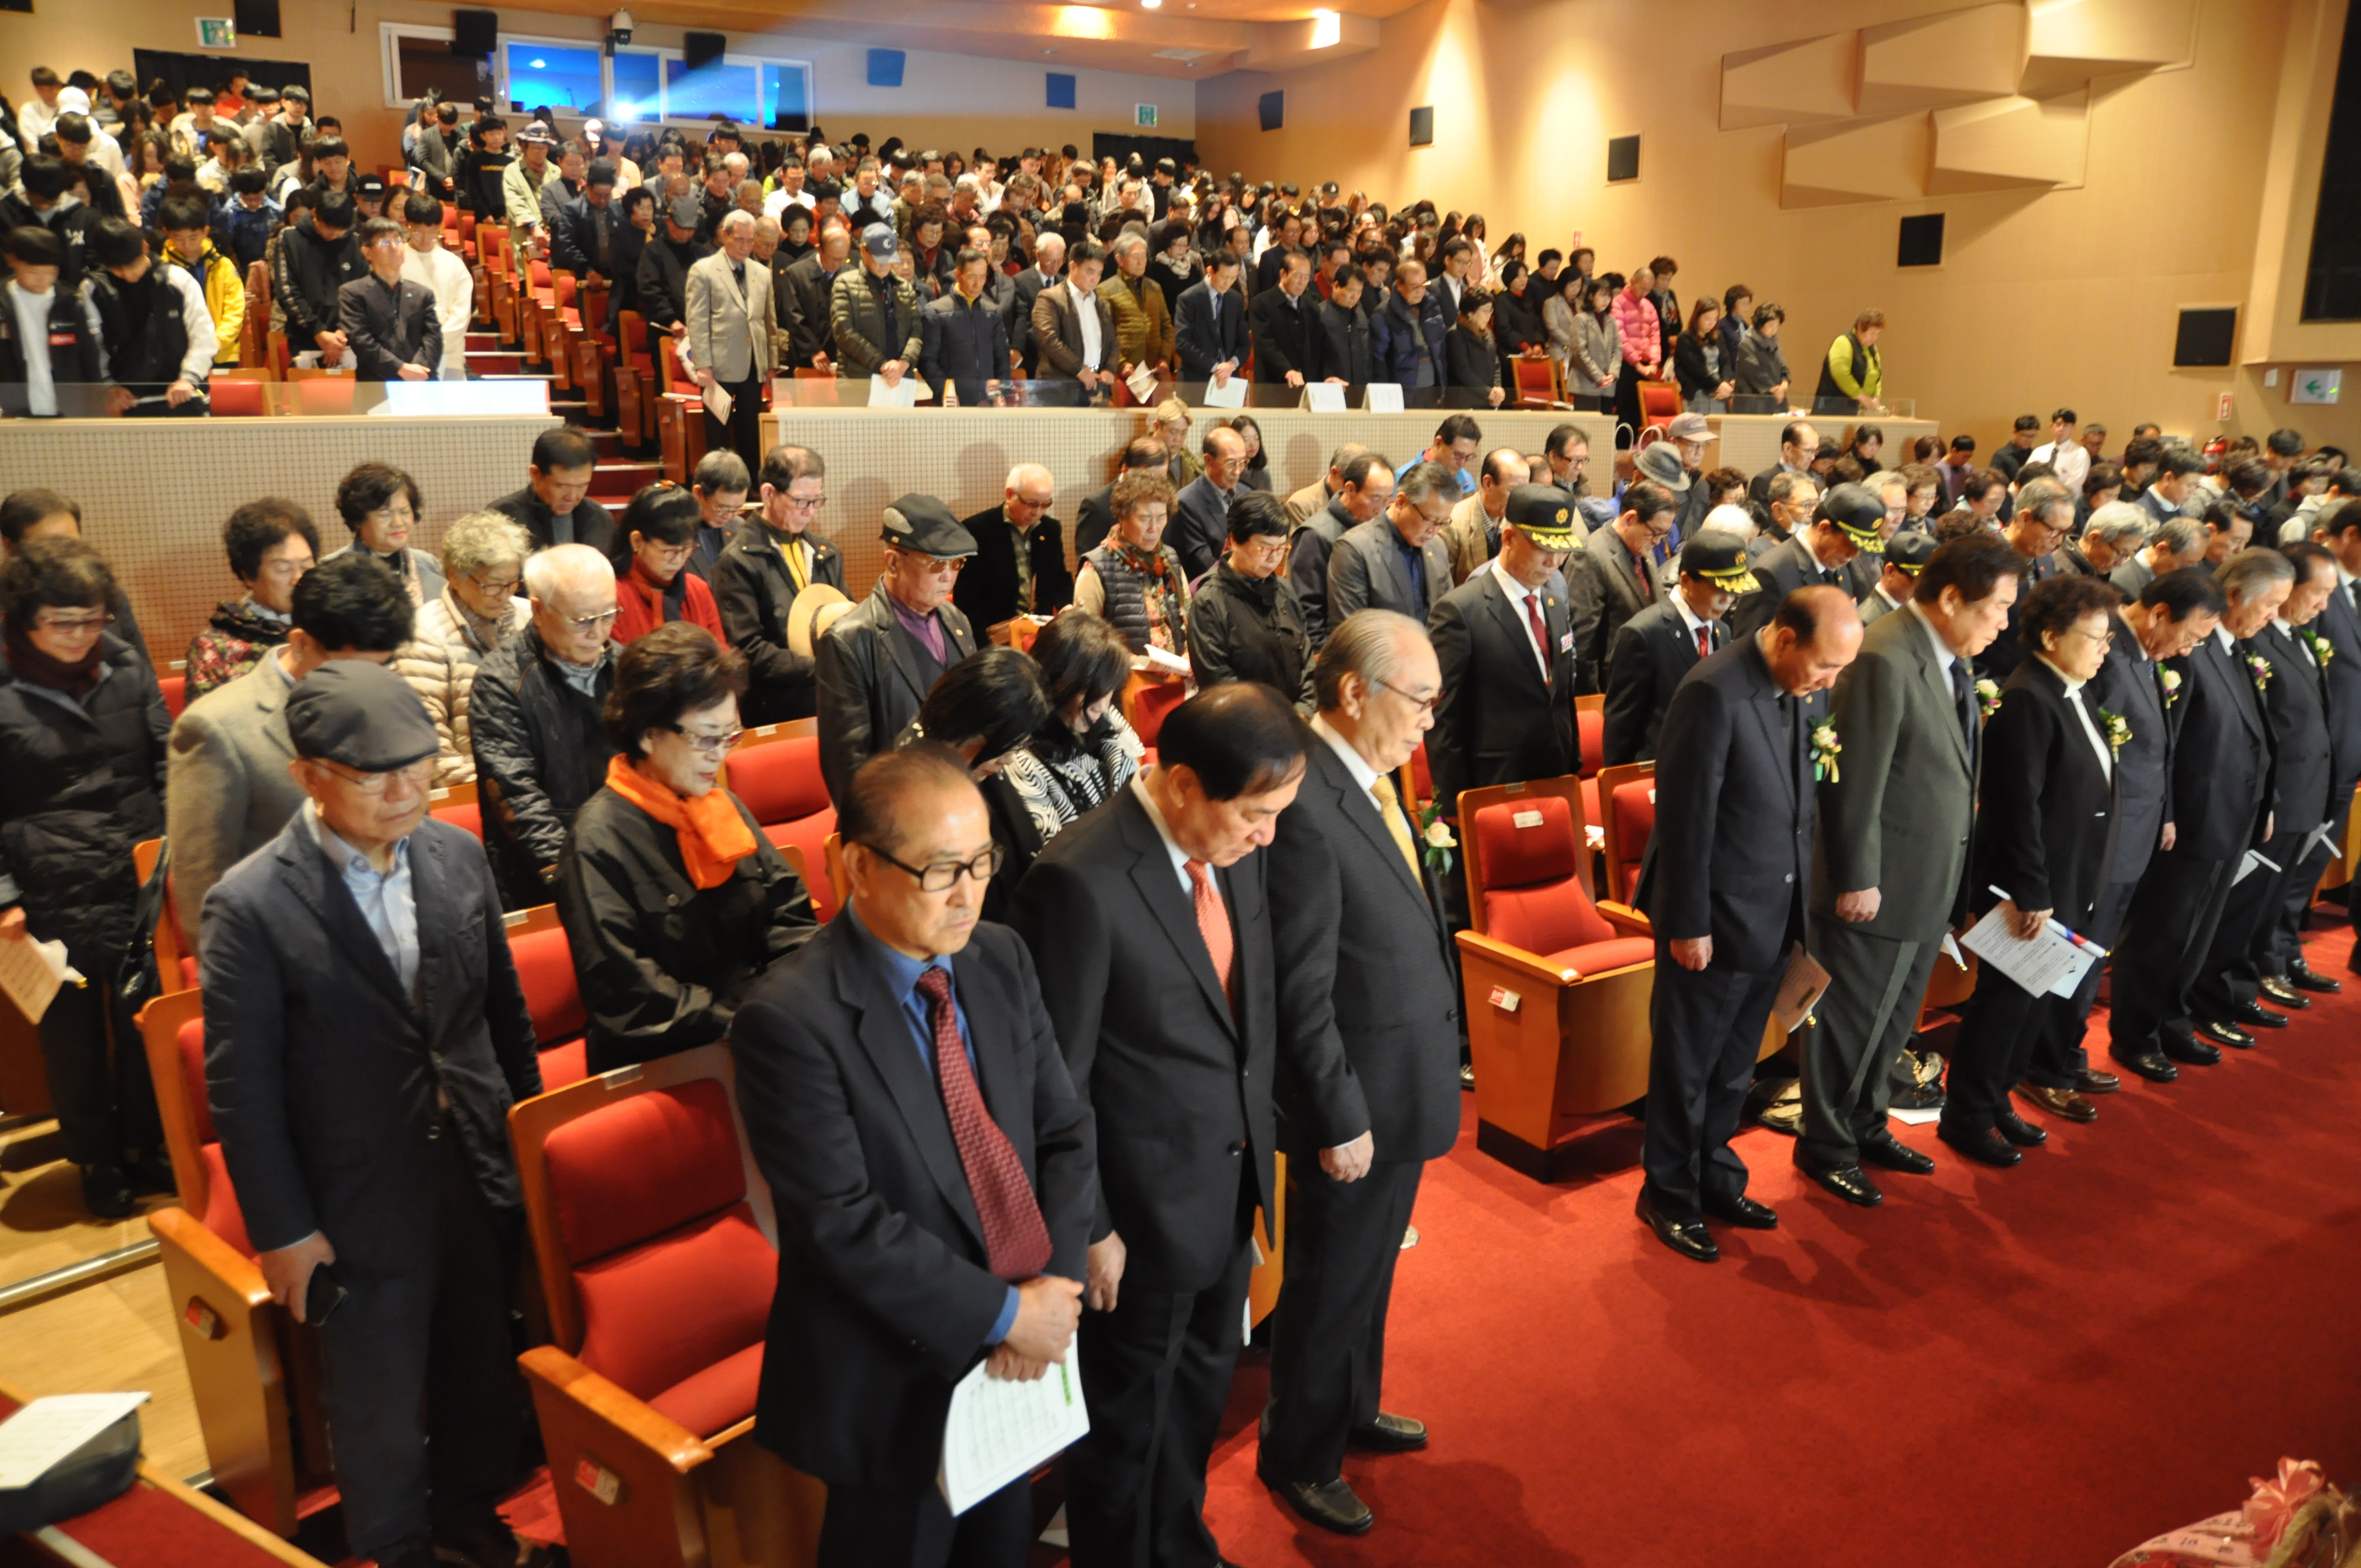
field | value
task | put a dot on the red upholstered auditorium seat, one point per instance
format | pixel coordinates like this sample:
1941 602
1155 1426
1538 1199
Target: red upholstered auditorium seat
545 962
1590 728
176 692
1627 812
1147 702
220 1212
455 803
781 783
1533 900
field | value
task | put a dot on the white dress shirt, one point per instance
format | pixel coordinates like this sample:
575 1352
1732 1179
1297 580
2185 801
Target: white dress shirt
2072 463
1171 846
1086 314
1517 594
1944 657
2082 711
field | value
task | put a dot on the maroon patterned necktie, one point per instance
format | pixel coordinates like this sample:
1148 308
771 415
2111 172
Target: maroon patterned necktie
1541 633
1015 1241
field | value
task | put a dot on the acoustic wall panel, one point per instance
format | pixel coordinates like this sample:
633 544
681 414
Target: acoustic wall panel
2070 41
1792 83
1858 160
2011 144
1926 62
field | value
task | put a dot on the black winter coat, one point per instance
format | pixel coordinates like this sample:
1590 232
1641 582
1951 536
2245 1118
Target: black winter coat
1244 629
541 751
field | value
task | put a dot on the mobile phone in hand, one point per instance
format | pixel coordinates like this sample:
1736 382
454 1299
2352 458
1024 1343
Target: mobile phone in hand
322 1297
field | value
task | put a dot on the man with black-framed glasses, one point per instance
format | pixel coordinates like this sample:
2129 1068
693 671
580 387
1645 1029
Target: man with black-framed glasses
774 558
534 720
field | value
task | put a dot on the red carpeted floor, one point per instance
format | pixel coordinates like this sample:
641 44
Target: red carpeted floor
2038 1366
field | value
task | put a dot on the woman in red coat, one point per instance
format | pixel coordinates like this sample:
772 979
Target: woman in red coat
653 545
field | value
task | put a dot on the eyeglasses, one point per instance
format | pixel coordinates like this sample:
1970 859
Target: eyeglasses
805 503
71 625
417 774
504 587
1425 703
706 741
944 875
2104 639
598 622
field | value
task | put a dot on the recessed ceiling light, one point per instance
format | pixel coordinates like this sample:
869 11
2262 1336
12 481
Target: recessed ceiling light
1149 5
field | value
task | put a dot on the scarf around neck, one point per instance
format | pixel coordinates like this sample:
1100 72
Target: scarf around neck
713 837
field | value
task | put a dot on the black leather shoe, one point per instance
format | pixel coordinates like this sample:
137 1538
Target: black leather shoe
2282 992
1890 1153
2254 1016
2202 1054
1690 1240
2017 1130
1742 1212
1331 1505
1985 1144
1919 1097
1849 1183
151 1173
1467 1076
2150 1065
2303 977
2091 1081
1390 1433
106 1191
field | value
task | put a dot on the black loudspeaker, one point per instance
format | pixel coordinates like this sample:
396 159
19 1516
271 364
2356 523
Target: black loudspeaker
1622 158
1274 109
475 32
1421 127
698 51
1921 244
2206 336
258 18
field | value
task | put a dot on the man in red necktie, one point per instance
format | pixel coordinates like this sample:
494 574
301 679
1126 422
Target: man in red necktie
1658 647
934 1171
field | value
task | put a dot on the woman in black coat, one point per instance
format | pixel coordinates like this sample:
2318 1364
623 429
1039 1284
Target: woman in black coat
82 732
674 901
1701 365
1517 315
1471 361
1244 623
2047 839
984 708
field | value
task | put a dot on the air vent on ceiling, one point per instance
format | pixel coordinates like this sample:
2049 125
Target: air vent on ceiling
1190 55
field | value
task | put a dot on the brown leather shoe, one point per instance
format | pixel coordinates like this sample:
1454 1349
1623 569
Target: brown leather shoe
2091 1081
2060 1102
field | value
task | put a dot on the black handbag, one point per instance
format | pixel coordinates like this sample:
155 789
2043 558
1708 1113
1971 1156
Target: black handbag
135 979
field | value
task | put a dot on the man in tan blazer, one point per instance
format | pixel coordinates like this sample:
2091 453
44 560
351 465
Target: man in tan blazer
1072 351
1473 534
730 319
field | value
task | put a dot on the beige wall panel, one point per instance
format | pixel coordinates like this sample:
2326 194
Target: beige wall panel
2011 142
1798 84
2070 42
1860 160
1954 58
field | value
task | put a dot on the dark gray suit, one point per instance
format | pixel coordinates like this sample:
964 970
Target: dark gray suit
1782 570
1649 659
1366 571
1897 819
2295 701
1605 585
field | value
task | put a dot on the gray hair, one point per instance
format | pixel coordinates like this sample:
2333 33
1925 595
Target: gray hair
2121 524
1048 242
2248 573
2181 535
1422 479
550 571
1367 644
2040 496
482 540
1127 242
733 220
1784 485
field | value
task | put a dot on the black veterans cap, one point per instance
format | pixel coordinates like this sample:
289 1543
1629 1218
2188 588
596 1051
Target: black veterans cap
1720 559
924 524
1859 511
1910 549
360 715
1543 513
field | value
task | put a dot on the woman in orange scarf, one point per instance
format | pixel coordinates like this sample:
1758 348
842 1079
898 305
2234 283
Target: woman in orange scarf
674 901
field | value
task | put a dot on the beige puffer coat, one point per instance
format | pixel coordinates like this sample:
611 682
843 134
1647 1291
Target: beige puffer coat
440 666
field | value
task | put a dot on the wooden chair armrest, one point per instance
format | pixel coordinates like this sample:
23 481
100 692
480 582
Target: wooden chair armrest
1476 948
176 1226
620 1412
1623 917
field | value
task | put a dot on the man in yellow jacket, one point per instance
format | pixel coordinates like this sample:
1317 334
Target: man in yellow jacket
189 246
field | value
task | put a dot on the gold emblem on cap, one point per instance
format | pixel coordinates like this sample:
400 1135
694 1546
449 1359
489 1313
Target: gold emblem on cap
1561 516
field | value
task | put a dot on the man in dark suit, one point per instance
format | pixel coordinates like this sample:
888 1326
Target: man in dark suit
1200 529
935 1205
1150 924
2175 482
1067 349
360 1001
964 355
1506 648
1365 489
1094 519
2222 798
1726 892
1210 322
2340 533
1286 326
875 665
1905 556
555 506
390 320
1396 561
2286 975
1658 647
1019 567
775 555
1048 262
806 285
1848 521
1798 444
2045 845
1891 857
1367 978
1612 577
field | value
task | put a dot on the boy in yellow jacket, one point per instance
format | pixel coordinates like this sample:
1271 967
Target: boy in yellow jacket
188 245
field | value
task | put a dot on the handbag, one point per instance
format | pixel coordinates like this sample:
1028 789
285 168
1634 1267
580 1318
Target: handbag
135 978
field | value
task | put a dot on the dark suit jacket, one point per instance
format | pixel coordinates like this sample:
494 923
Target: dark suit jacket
1730 856
2341 624
1347 348
2049 813
1498 722
2296 701
322 1072
1178 1080
1602 584
872 679
986 591
804 311
1366 571
963 344
885 1293
2126 686
1650 656
1308 552
1285 336
753 590
1027 288
1368 1002
1057 332
2221 783
1094 521
391 327
1203 342
1782 570
1200 533
592 525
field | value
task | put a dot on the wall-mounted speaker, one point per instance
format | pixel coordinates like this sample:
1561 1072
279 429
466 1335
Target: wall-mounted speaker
1421 127
698 51
2206 336
1061 89
1622 158
258 18
475 32
1273 109
1921 241
886 67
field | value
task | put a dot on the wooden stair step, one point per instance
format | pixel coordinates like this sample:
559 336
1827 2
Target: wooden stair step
484 342
495 363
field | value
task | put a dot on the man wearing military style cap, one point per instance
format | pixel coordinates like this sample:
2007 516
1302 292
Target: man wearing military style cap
1725 883
878 662
1505 646
1658 647
1905 554
1849 520
364 1036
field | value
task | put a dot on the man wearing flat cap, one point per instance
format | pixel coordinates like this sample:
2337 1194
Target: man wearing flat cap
1658 647
1849 520
1906 555
364 1036
878 660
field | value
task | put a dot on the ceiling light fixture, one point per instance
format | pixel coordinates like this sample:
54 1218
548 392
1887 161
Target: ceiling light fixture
1149 5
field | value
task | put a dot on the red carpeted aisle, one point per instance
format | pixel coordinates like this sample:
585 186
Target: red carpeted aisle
2038 1367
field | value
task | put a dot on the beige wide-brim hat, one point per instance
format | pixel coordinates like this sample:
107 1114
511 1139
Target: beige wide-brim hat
814 611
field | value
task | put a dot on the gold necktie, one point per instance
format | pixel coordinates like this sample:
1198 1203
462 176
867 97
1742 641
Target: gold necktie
793 549
1390 808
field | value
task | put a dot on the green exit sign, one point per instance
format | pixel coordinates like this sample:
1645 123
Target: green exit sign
1144 116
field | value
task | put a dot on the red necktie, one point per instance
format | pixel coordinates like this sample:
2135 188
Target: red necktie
1213 923
1705 640
1541 633
1015 1242
1647 589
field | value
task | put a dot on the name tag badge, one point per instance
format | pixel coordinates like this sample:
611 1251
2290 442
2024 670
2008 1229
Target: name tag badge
1565 642
62 340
